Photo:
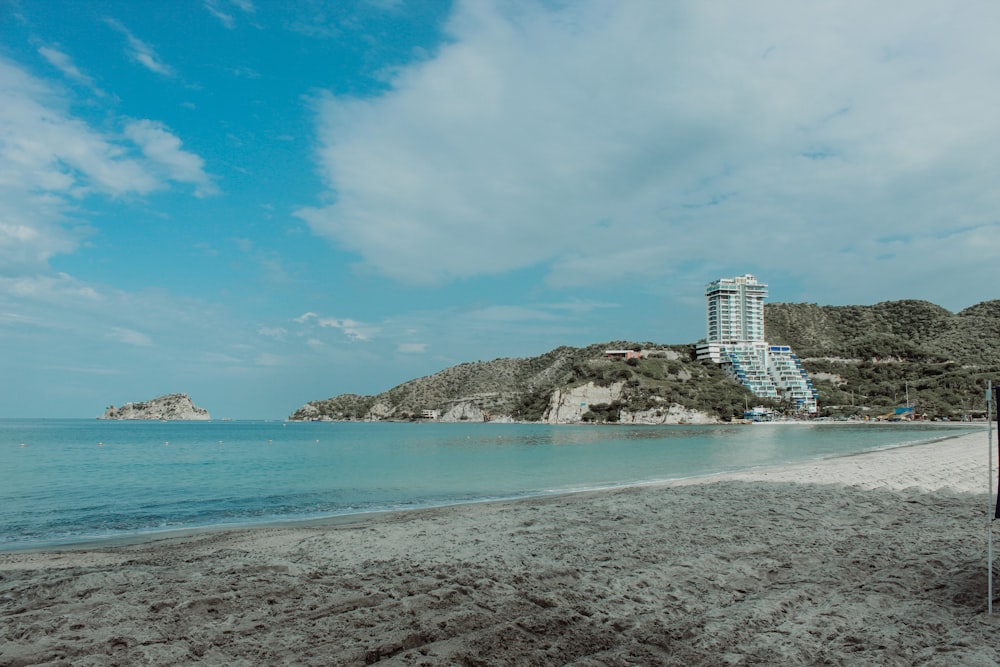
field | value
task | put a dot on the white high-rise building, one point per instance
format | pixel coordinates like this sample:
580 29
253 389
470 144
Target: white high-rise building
735 340
736 310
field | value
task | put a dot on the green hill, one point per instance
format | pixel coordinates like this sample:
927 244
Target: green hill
523 389
863 360
878 356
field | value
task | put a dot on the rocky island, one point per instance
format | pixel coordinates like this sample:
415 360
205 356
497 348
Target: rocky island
169 407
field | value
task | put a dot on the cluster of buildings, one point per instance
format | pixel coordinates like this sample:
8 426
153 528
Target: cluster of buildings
735 340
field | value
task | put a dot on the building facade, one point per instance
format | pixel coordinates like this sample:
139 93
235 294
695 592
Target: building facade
736 341
735 309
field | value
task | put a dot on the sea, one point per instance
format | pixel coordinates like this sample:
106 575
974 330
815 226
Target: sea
67 482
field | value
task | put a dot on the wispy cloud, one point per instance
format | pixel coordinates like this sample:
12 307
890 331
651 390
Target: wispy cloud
220 9
85 370
505 313
580 306
357 331
386 5
130 337
269 359
140 51
167 328
352 329
226 19
244 72
277 333
65 64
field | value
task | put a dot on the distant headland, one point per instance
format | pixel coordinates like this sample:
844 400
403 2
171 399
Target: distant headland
905 357
170 407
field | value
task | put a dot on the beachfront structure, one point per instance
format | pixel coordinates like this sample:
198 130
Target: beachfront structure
735 340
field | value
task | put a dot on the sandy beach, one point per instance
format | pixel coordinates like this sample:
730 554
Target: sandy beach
877 558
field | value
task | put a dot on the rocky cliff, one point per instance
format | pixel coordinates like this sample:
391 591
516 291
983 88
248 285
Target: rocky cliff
170 407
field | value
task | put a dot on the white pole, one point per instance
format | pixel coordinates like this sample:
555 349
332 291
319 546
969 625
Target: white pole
989 505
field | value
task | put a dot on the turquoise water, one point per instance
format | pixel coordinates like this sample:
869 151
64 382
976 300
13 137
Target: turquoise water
64 481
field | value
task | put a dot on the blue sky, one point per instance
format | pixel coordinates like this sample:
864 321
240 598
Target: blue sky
263 203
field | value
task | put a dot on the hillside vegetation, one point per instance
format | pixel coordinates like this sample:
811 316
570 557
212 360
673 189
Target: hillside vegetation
522 389
877 356
864 360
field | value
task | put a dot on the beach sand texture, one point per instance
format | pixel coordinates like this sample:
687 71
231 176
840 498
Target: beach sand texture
874 559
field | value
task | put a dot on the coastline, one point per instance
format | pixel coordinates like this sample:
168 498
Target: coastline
154 534
869 558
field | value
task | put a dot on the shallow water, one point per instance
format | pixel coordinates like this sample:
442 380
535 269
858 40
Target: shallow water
63 481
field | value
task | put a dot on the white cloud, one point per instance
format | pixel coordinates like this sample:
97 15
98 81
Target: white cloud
50 162
412 348
605 139
44 149
353 329
140 51
163 150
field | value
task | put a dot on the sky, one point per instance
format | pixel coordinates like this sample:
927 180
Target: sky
261 204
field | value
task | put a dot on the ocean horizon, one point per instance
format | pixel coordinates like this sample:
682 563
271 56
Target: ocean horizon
70 481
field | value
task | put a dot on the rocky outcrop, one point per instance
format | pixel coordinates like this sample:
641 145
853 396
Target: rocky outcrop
462 412
673 414
591 402
569 405
380 411
169 407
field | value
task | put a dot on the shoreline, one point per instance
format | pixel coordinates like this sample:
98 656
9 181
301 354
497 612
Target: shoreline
832 469
874 558
91 543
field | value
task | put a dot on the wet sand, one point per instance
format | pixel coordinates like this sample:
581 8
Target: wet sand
877 558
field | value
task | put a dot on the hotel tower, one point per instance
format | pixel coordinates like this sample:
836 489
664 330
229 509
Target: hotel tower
735 340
